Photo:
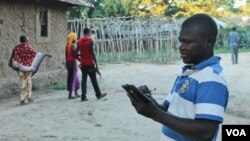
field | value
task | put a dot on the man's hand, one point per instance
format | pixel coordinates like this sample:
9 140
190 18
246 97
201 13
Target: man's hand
142 108
98 72
144 89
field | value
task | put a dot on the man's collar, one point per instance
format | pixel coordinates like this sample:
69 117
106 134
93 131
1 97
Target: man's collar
212 60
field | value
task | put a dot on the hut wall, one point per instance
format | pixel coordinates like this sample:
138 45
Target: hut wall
19 17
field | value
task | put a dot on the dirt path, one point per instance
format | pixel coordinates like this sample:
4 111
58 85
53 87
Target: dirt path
52 117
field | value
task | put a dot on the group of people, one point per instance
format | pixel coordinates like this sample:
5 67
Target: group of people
88 65
195 106
26 61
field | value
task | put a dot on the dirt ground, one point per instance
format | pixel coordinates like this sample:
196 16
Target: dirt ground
52 117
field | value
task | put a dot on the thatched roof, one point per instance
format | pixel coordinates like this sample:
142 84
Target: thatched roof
79 2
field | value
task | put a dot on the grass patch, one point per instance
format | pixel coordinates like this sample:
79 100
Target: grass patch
163 55
245 49
222 50
227 50
34 87
59 86
146 55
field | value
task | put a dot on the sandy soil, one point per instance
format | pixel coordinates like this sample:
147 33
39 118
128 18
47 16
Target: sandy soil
52 117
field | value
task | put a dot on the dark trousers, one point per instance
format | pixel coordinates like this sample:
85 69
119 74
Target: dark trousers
91 71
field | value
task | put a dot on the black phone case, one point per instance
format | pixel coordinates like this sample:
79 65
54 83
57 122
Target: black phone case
129 87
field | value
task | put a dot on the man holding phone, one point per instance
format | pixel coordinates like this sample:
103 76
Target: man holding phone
195 107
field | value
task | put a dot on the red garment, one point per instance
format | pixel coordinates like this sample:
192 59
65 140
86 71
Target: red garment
85 45
70 56
24 54
24 58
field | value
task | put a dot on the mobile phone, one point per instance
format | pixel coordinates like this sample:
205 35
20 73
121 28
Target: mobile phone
129 88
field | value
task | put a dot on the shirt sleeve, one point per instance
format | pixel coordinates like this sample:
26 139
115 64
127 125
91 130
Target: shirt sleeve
211 101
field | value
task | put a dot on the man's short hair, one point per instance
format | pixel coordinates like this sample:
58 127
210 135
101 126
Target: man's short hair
204 22
234 28
86 31
23 38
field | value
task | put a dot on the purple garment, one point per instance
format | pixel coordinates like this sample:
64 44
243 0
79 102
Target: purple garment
73 83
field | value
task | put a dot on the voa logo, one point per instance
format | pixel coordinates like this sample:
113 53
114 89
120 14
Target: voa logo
236 132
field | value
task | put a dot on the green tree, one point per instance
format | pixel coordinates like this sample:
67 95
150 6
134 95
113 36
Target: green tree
82 11
75 12
143 7
217 8
94 12
189 7
114 8
134 7
245 9
175 8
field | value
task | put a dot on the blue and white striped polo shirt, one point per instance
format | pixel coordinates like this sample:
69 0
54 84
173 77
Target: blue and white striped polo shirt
199 93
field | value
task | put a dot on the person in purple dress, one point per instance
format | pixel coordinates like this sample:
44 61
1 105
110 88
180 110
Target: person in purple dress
73 82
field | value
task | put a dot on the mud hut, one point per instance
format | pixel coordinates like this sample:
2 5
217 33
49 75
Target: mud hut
45 22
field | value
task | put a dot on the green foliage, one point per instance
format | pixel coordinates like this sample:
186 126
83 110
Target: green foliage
244 32
145 7
235 10
75 12
221 50
116 8
244 36
245 9
210 7
113 8
217 8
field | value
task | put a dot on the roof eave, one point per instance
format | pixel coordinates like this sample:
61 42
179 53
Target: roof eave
79 2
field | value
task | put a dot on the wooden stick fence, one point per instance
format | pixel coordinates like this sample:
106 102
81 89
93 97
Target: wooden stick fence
133 39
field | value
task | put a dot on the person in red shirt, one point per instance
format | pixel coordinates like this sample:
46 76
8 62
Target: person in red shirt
88 64
73 83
